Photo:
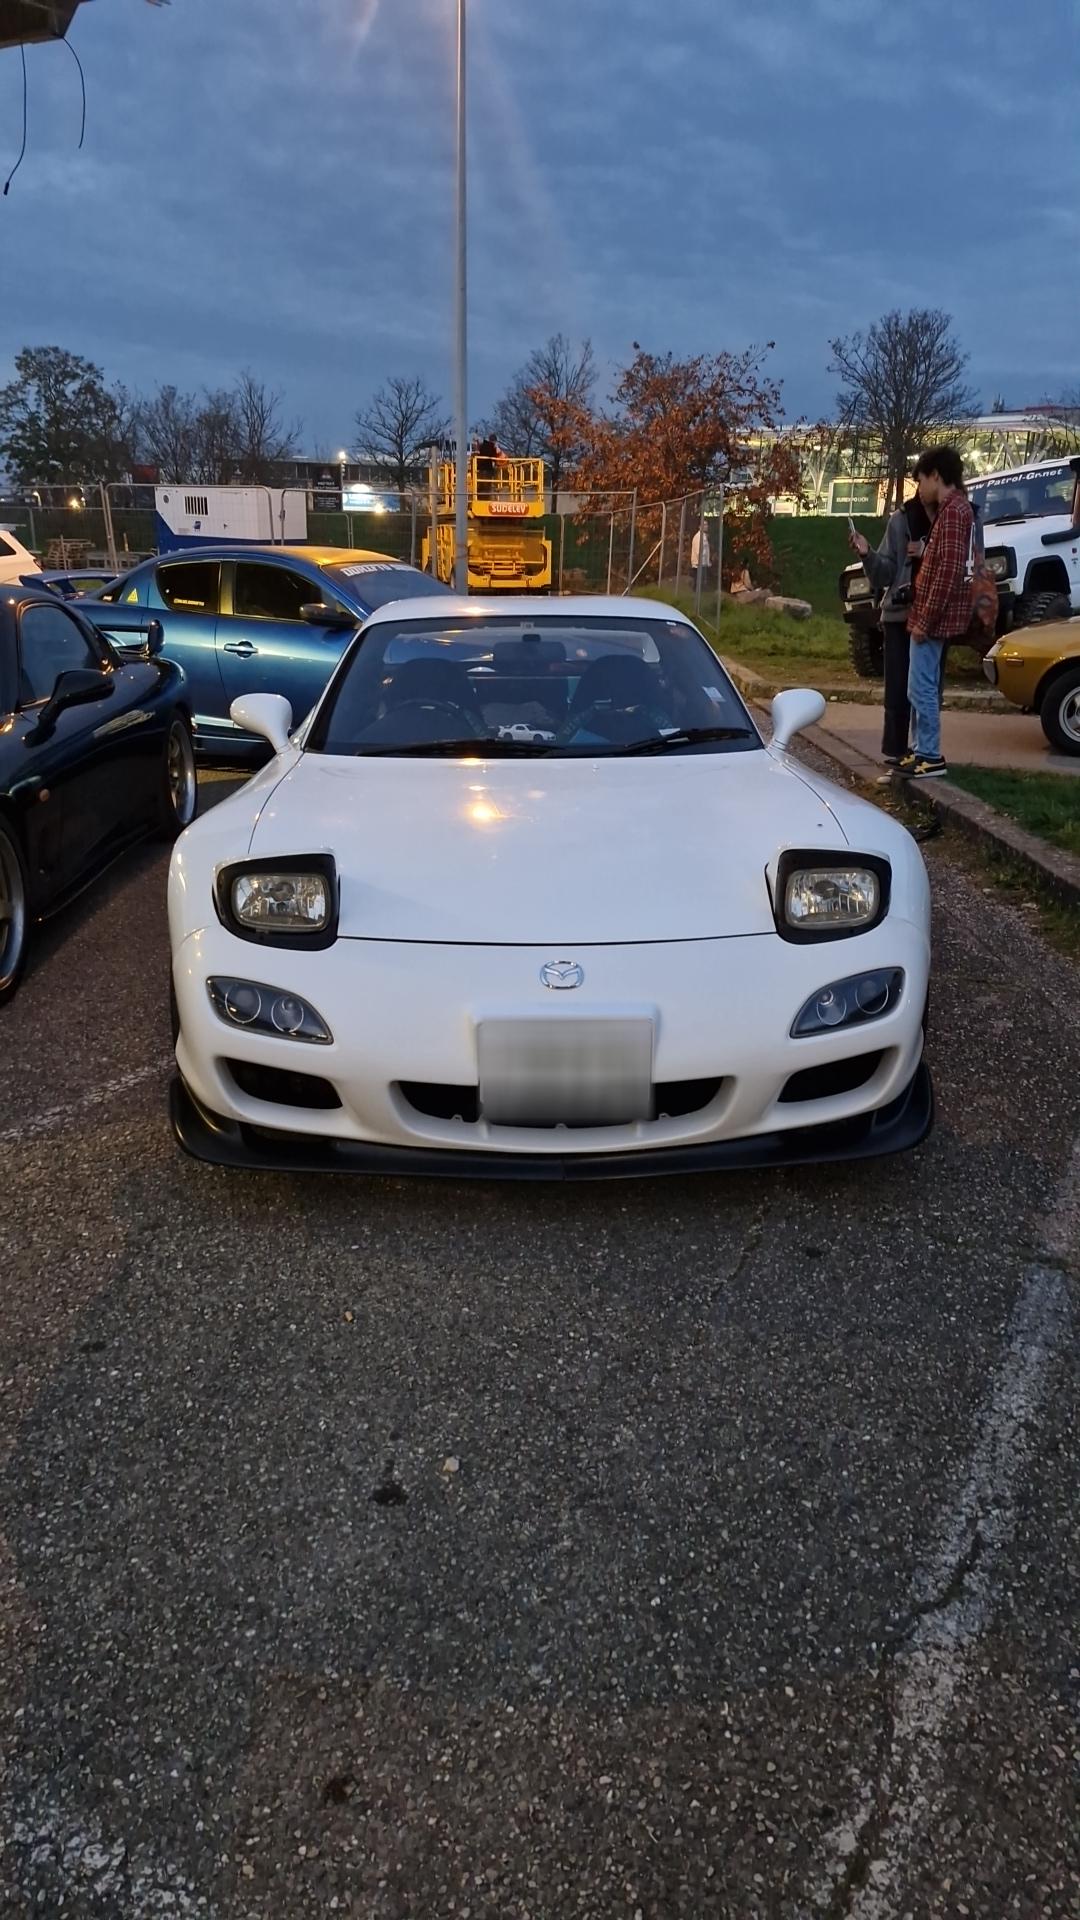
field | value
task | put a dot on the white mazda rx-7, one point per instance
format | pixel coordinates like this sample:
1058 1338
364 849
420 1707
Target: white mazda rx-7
527 894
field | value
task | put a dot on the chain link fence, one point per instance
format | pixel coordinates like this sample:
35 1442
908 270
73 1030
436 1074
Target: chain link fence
613 544
600 543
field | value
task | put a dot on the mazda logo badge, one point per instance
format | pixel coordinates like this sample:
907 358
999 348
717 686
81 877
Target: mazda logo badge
561 974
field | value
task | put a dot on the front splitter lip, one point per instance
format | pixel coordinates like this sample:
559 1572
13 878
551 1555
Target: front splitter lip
225 1143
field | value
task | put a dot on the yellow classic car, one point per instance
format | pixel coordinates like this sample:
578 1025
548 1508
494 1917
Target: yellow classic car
1038 668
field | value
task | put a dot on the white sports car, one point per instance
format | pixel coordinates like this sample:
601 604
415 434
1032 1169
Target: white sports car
527 894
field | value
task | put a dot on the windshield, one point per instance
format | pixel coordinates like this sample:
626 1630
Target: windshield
376 585
559 685
1023 496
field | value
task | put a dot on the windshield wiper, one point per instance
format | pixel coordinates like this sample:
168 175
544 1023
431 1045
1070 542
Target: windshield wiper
471 749
686 737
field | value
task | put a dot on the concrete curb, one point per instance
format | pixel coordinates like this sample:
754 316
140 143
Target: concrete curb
1057 871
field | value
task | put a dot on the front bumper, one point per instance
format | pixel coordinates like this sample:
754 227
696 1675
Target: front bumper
406 1020
224 1143
863 614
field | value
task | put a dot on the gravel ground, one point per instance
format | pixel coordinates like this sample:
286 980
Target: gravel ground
390 1549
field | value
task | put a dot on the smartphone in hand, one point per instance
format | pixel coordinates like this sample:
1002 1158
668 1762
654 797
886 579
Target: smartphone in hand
852 528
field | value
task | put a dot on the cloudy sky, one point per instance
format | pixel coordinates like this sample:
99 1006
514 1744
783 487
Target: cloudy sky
268 183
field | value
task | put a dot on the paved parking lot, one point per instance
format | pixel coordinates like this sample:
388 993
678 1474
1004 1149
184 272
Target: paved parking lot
389 1549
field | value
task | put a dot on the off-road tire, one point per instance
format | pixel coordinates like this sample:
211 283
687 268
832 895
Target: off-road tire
867 653
1032 609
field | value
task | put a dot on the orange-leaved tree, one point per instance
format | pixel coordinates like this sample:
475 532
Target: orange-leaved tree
680 427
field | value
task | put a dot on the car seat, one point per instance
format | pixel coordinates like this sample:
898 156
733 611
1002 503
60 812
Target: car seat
432 682
617 682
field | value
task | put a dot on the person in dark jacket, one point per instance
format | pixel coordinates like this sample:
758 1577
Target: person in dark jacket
891 571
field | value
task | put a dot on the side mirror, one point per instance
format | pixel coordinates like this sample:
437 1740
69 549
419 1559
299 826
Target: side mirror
318 614
267 714
155 639
794 711
78 687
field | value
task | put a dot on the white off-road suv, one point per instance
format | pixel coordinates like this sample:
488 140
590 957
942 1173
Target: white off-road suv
1030 519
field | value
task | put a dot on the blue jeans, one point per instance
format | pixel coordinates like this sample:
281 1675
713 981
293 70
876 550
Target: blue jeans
924 693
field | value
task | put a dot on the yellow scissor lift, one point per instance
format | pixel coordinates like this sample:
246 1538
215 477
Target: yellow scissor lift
509 551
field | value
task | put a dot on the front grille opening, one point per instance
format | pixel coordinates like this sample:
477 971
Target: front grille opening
282 1087
837 1076
442 1101
439 1100
676 1098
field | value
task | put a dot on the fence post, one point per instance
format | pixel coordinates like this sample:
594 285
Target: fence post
682 538
663 537
700 575
562 547
110 537
611 549
412 532
719 559
633 530
433 507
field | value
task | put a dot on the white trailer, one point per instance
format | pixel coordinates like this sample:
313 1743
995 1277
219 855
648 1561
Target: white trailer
193 516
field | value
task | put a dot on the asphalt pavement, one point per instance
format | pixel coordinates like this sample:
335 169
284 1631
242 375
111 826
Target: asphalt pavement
698 1548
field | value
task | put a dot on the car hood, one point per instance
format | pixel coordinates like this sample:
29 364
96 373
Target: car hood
535 852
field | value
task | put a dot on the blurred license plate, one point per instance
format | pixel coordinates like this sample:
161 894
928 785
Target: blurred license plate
538 1073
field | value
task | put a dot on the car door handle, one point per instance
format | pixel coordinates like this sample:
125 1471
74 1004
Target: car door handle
245 648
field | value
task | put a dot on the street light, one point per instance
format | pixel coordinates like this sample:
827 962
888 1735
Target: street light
461 401
342 459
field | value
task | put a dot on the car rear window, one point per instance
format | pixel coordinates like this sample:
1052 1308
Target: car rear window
191 586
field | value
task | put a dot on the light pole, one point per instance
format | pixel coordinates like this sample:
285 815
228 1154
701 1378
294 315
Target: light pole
461 338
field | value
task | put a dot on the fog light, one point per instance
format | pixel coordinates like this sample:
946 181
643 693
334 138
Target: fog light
872 993
830 1008
287 1014
262 1009
851 1002
243 1002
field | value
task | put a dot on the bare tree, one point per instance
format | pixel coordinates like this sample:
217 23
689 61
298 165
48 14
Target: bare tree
542 410
264 437
1064 411
233 435
167 433
402 420
217 439
903 381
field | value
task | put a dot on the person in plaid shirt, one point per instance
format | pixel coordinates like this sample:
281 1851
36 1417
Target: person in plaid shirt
941 602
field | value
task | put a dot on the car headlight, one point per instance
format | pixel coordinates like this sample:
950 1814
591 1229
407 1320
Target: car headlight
257 1008
859 589
998 565
852 1002
288 902
829 896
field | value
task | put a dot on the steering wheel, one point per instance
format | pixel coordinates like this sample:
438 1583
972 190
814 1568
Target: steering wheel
456 713
602 710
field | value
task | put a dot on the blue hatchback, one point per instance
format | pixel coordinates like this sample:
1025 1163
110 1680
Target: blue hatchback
258 620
